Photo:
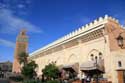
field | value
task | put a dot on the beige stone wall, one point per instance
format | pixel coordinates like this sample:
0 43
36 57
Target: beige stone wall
113 29
116 56
79 53
80 49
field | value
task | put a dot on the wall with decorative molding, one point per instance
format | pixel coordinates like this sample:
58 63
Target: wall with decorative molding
78 46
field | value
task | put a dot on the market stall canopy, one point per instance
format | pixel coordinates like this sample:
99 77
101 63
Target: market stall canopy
92 66
74 67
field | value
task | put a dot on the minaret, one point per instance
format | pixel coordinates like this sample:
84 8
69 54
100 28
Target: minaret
21 46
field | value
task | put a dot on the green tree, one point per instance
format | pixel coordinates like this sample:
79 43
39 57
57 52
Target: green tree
23 58
28 67
51 71
28 70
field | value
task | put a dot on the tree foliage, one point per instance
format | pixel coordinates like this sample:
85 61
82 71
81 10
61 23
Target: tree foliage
51 71
23 58
28 70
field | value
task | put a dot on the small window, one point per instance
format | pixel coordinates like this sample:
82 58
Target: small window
100 53
119 64
92 57
96 58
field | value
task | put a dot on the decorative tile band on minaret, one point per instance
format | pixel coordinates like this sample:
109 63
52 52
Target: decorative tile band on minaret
21 46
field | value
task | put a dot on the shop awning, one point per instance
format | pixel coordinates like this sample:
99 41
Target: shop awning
74 67
92 66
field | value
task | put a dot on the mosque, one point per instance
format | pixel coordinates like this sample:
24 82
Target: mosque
96 47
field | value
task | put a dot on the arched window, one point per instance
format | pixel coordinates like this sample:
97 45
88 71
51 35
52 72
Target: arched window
97 53
92 56
119 64
96 57
100 55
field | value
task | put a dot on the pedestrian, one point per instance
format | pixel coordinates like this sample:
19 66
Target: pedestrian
43 78
88 80
83 78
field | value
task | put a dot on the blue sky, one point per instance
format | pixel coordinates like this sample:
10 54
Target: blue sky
48 20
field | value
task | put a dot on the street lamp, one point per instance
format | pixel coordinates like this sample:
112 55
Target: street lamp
96 70
120 40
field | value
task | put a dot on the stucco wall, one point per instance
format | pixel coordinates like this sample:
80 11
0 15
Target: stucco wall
117 56
81 52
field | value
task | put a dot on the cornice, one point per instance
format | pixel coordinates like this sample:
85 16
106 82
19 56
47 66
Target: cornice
96 24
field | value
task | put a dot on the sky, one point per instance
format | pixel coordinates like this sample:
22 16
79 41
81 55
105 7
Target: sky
48 20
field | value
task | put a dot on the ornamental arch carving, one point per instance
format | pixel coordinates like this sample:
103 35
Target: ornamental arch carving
73 58
95 53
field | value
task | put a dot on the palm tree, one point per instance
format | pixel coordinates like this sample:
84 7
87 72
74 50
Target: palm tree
23 58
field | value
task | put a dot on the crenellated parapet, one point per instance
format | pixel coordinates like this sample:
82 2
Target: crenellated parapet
99 21
82 31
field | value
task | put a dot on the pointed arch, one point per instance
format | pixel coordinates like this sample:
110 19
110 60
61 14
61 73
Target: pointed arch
72 58
93 53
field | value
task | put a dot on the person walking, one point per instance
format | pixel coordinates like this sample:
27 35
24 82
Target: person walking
83 78
88 80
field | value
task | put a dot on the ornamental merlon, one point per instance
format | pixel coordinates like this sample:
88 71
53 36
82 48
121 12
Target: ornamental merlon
96 24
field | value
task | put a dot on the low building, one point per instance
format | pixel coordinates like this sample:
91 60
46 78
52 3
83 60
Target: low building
96 47
5 69
6 66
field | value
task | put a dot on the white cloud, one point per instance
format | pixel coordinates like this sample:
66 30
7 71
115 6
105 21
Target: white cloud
11 24
21 6
7 43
